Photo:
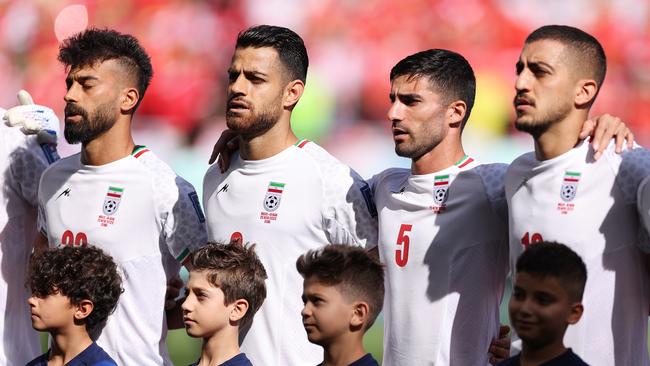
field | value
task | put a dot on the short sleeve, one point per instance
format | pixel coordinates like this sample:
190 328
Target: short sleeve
349 213
493 178
633 179
27 165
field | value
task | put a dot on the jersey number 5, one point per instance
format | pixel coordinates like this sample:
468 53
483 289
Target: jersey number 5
403 240
71 240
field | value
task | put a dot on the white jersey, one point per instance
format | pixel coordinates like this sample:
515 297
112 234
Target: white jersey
300 199
593 208
443 239
142 214
22 161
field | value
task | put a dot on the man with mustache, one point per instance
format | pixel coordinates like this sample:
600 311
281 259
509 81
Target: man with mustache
286 195
559 192
117 195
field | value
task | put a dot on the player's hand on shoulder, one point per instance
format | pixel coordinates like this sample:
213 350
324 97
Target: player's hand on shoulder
602 129
500 348
33 119
223 149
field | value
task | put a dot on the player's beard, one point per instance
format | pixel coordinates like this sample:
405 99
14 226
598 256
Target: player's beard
255 123
90 126
538 125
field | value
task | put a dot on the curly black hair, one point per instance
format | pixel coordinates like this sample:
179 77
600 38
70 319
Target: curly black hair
99 45
79 273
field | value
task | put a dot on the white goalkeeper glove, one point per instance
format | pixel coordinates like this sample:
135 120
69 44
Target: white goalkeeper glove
33 119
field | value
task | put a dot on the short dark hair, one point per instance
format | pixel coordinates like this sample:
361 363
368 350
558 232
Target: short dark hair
98 45
448 72
290 47
358 275
589 55
236 270
555 260
79 273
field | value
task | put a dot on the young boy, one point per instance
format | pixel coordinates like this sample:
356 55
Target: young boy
74 290
225 289
343 293
547 298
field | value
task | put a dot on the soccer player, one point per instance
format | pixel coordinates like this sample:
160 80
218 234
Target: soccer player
225 290
343 293
117 195
559 193
74 290
286 195
547 298
442 223
22 161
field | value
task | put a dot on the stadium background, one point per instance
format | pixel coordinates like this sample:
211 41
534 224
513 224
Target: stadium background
352 45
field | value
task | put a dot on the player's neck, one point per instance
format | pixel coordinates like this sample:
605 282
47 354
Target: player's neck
68 343
444 155
344 350
112 145
560 137
220 347
535 355
268 144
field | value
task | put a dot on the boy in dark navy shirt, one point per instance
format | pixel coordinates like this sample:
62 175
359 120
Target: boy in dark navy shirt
547 297
74 290
343 293
225 290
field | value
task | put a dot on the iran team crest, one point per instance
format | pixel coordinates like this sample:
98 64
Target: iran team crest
440 189
569 186
273 196
112 200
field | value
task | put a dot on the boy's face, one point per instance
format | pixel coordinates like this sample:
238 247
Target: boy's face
540 309
204 309
326 314
53 312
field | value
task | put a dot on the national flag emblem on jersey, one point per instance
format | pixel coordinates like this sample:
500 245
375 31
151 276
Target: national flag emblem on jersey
440 186
112 200
273 196
569 186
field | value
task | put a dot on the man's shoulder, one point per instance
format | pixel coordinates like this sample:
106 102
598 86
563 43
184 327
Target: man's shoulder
63 166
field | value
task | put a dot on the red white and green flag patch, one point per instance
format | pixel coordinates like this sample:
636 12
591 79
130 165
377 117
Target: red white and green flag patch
440 186
112 200
569 185
273 196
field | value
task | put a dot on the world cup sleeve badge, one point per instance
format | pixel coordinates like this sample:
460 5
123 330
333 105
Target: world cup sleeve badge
568 191
111 204
272 201
440 192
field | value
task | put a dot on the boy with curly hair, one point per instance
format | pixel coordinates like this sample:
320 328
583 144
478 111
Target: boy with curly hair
225 290
74 290
343 293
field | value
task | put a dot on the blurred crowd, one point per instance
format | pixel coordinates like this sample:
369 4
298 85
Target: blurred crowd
352 45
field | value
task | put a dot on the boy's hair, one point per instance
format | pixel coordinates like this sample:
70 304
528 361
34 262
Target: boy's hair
290 47
98 45
555 260
449 73
236 270
587 53
357 275
79 273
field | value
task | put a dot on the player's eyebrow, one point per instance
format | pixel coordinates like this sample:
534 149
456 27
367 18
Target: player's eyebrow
405 96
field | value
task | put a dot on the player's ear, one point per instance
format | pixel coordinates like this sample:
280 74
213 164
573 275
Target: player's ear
576 313
292 93
456 113
239 309
360 313
83 309
586 90
128 100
